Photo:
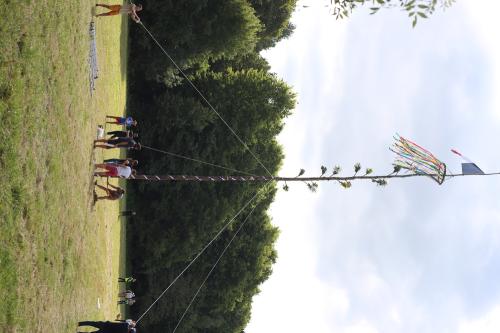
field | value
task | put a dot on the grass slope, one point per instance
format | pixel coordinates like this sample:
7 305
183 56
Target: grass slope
58 252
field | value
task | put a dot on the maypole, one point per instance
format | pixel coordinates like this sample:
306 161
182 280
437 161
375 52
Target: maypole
411 158
186 178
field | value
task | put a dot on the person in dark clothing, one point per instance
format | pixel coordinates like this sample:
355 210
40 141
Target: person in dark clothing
107 326
122 161
127 213
127 279
127 301
118 134
122 134
119 142
128 143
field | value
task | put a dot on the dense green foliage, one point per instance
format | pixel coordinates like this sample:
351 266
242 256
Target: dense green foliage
198 32
217 44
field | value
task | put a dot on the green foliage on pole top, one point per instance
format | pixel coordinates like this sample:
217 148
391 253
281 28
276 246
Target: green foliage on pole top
357 167
345 184
324 169
336 170
397 168
380 182
414 8
313 186
344 181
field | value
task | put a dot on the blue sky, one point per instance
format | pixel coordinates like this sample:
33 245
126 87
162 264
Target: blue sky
414 256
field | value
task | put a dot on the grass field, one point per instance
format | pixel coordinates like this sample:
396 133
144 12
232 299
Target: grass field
58 252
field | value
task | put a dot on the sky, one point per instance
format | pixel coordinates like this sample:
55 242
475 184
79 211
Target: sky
412 256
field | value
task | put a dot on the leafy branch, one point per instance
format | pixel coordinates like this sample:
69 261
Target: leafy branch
416 9
343 181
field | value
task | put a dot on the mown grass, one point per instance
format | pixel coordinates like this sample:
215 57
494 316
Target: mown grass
58 252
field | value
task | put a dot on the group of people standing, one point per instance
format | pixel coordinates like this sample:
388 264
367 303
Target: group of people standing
118 326
127 138
126 297
117 168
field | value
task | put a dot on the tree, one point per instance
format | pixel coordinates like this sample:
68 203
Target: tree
252 60
274 16
177 220
415 8
194 32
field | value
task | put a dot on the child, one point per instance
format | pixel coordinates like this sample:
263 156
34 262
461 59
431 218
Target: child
127 121
113 193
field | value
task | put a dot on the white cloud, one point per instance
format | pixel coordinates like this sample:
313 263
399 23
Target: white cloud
483 16
361 327
489 323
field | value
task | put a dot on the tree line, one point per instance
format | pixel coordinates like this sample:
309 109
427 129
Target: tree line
217 44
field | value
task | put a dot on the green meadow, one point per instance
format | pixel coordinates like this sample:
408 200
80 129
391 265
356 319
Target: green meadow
60 253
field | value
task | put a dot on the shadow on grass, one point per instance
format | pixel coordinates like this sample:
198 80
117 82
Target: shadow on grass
122 268
91 202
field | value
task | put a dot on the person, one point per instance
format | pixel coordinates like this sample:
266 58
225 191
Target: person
128 279
127 9
127 213
122 134
100 132
122 161
128 301
127 121
127 294
113 193
114 170
108 326
128 143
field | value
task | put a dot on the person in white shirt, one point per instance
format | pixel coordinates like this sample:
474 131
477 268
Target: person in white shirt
114 170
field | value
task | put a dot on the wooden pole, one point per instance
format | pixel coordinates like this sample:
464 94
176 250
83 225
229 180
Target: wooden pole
187 178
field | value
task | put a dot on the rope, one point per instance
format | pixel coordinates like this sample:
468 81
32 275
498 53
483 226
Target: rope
198 255
206 101
212 269
466 174
196 160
